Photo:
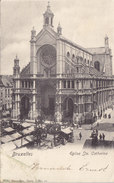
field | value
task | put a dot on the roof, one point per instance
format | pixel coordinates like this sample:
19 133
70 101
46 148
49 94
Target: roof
98 50
54 33
6 81
75 45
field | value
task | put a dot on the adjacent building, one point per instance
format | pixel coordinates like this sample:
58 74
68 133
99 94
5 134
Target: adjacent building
6 84
62 81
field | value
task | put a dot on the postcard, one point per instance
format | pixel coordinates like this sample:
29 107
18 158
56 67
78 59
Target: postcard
57 91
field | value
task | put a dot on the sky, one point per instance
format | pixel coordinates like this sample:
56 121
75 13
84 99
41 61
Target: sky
85 22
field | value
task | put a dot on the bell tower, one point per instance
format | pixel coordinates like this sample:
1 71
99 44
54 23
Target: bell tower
48 17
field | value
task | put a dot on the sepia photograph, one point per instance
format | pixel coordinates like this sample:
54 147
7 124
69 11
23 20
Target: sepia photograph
56 91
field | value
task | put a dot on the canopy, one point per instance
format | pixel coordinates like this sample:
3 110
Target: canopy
9 146
16 135
16 122
30 120
66 130
26 124
49 122
28 130
9 129
29 138
20 142
6 139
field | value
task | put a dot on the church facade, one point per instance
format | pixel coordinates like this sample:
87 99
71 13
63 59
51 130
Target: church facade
62 81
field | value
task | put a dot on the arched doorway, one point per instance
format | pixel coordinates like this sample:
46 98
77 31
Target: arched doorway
48 100
68 108
25 107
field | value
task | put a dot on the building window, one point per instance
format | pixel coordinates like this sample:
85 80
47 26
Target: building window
5 92
68 84
68 54
97 65
73 57
85 60
25 84
47 20
64 84
72 84
77 70
77 60
22 84
31 84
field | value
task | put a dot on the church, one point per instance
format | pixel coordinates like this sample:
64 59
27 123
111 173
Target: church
63 81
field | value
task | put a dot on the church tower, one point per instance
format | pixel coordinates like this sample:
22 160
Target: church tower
108 58
106 44
33 64
16 68
48 17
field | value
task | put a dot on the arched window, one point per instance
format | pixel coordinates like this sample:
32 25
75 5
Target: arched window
47 20
73 57
68 54
85 60
97 65
64 83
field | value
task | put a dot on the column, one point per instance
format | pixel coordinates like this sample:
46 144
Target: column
58 112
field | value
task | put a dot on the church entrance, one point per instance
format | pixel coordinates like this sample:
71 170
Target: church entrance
48 101
68 107
25 107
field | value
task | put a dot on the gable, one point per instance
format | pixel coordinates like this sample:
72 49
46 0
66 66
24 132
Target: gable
46 37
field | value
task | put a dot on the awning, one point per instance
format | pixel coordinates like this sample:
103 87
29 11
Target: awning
15 135
30 120
9 146
26 124
9 129
49 122
28 130
29 138
20 142
16 122
6 138
66 130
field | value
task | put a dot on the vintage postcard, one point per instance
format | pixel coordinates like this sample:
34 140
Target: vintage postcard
56 91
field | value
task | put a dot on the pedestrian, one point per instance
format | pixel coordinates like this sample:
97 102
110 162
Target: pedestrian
80 135
100 136
103 135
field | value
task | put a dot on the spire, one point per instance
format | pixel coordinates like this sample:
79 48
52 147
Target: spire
106 44
48 16
106 40
59 29
48 6
33 34
16 68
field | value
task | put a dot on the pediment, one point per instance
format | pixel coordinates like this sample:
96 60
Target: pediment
46 37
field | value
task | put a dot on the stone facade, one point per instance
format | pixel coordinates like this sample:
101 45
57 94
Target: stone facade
63 80
6 84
